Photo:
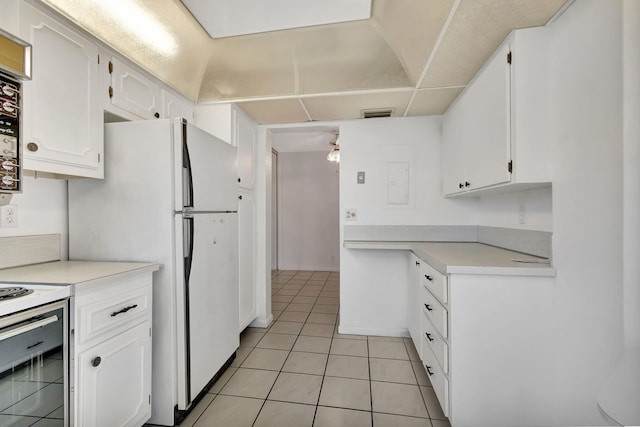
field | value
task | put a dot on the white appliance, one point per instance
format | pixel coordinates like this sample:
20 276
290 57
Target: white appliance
169 196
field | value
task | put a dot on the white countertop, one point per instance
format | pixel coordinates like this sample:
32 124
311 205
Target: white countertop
465 258
71 272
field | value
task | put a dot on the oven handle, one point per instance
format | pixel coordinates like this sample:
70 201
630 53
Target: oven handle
26 328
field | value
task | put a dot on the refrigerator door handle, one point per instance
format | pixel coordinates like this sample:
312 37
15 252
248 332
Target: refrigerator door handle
187 173
188 224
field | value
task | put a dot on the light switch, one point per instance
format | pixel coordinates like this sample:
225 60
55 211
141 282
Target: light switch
361 177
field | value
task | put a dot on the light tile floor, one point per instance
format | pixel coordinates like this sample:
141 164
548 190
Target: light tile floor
300 372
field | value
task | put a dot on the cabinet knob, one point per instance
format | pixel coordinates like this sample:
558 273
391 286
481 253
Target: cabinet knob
96 361
239 180
156 115
429 278
428 336
428 370
417 264
467 184
460 185
428 307
32 146
240 197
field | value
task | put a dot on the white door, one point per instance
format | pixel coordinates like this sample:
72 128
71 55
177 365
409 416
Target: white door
211 296
211 171
246 258
115 380
246 139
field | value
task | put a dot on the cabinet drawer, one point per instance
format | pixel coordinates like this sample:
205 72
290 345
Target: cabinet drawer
438 379
434 281
113 314
438 345
435 312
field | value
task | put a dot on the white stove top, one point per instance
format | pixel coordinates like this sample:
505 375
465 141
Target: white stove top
41 294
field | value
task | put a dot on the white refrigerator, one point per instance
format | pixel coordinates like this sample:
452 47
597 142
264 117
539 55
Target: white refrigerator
169 196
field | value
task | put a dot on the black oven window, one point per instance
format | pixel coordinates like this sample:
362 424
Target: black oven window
32 373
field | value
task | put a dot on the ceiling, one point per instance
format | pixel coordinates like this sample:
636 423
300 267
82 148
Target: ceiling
411 56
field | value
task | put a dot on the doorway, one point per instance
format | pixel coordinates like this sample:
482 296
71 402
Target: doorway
305 200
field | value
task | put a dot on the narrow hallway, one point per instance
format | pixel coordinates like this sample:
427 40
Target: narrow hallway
300 372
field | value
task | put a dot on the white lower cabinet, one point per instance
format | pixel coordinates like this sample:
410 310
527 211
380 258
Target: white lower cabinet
111 355
485 346
115 380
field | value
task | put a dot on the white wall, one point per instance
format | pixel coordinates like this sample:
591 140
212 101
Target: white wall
586 140
631 169
42 209
308 214
370 277
528 210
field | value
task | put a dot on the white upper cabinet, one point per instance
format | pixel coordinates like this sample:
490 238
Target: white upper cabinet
232 125
62 114
246 138
176 106
494 135
130 91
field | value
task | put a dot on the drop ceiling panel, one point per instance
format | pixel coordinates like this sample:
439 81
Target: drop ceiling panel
275 111
478 27
411 28
433 101
345 57
249 66
225 18
346 107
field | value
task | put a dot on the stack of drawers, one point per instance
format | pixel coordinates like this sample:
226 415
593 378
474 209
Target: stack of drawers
434 323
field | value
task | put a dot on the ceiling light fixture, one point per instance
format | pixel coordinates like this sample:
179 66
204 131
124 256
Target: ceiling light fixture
334 154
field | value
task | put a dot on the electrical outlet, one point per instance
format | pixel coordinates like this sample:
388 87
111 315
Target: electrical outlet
9 216
522 214
351 215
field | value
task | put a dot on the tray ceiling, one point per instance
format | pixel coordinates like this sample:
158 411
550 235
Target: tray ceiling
411 56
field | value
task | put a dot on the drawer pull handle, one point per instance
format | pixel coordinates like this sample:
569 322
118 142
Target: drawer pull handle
35 345
428 370
417 264
96 361
428 307
124 310
428 336
429 278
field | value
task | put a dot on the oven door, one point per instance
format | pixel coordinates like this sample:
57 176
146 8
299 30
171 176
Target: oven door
34 367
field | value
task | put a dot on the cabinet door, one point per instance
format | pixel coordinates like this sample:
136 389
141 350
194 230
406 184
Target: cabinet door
246 257
453 150
488 139
174 106
61 105
246 138
132 91
114 380
414 310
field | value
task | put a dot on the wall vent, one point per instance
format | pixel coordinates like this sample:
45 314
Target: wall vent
377 113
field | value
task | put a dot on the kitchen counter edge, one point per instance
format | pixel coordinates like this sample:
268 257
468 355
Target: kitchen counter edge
476 263
73 273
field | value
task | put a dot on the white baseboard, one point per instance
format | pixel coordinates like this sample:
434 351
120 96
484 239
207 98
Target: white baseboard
308 268
379 332
262 322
